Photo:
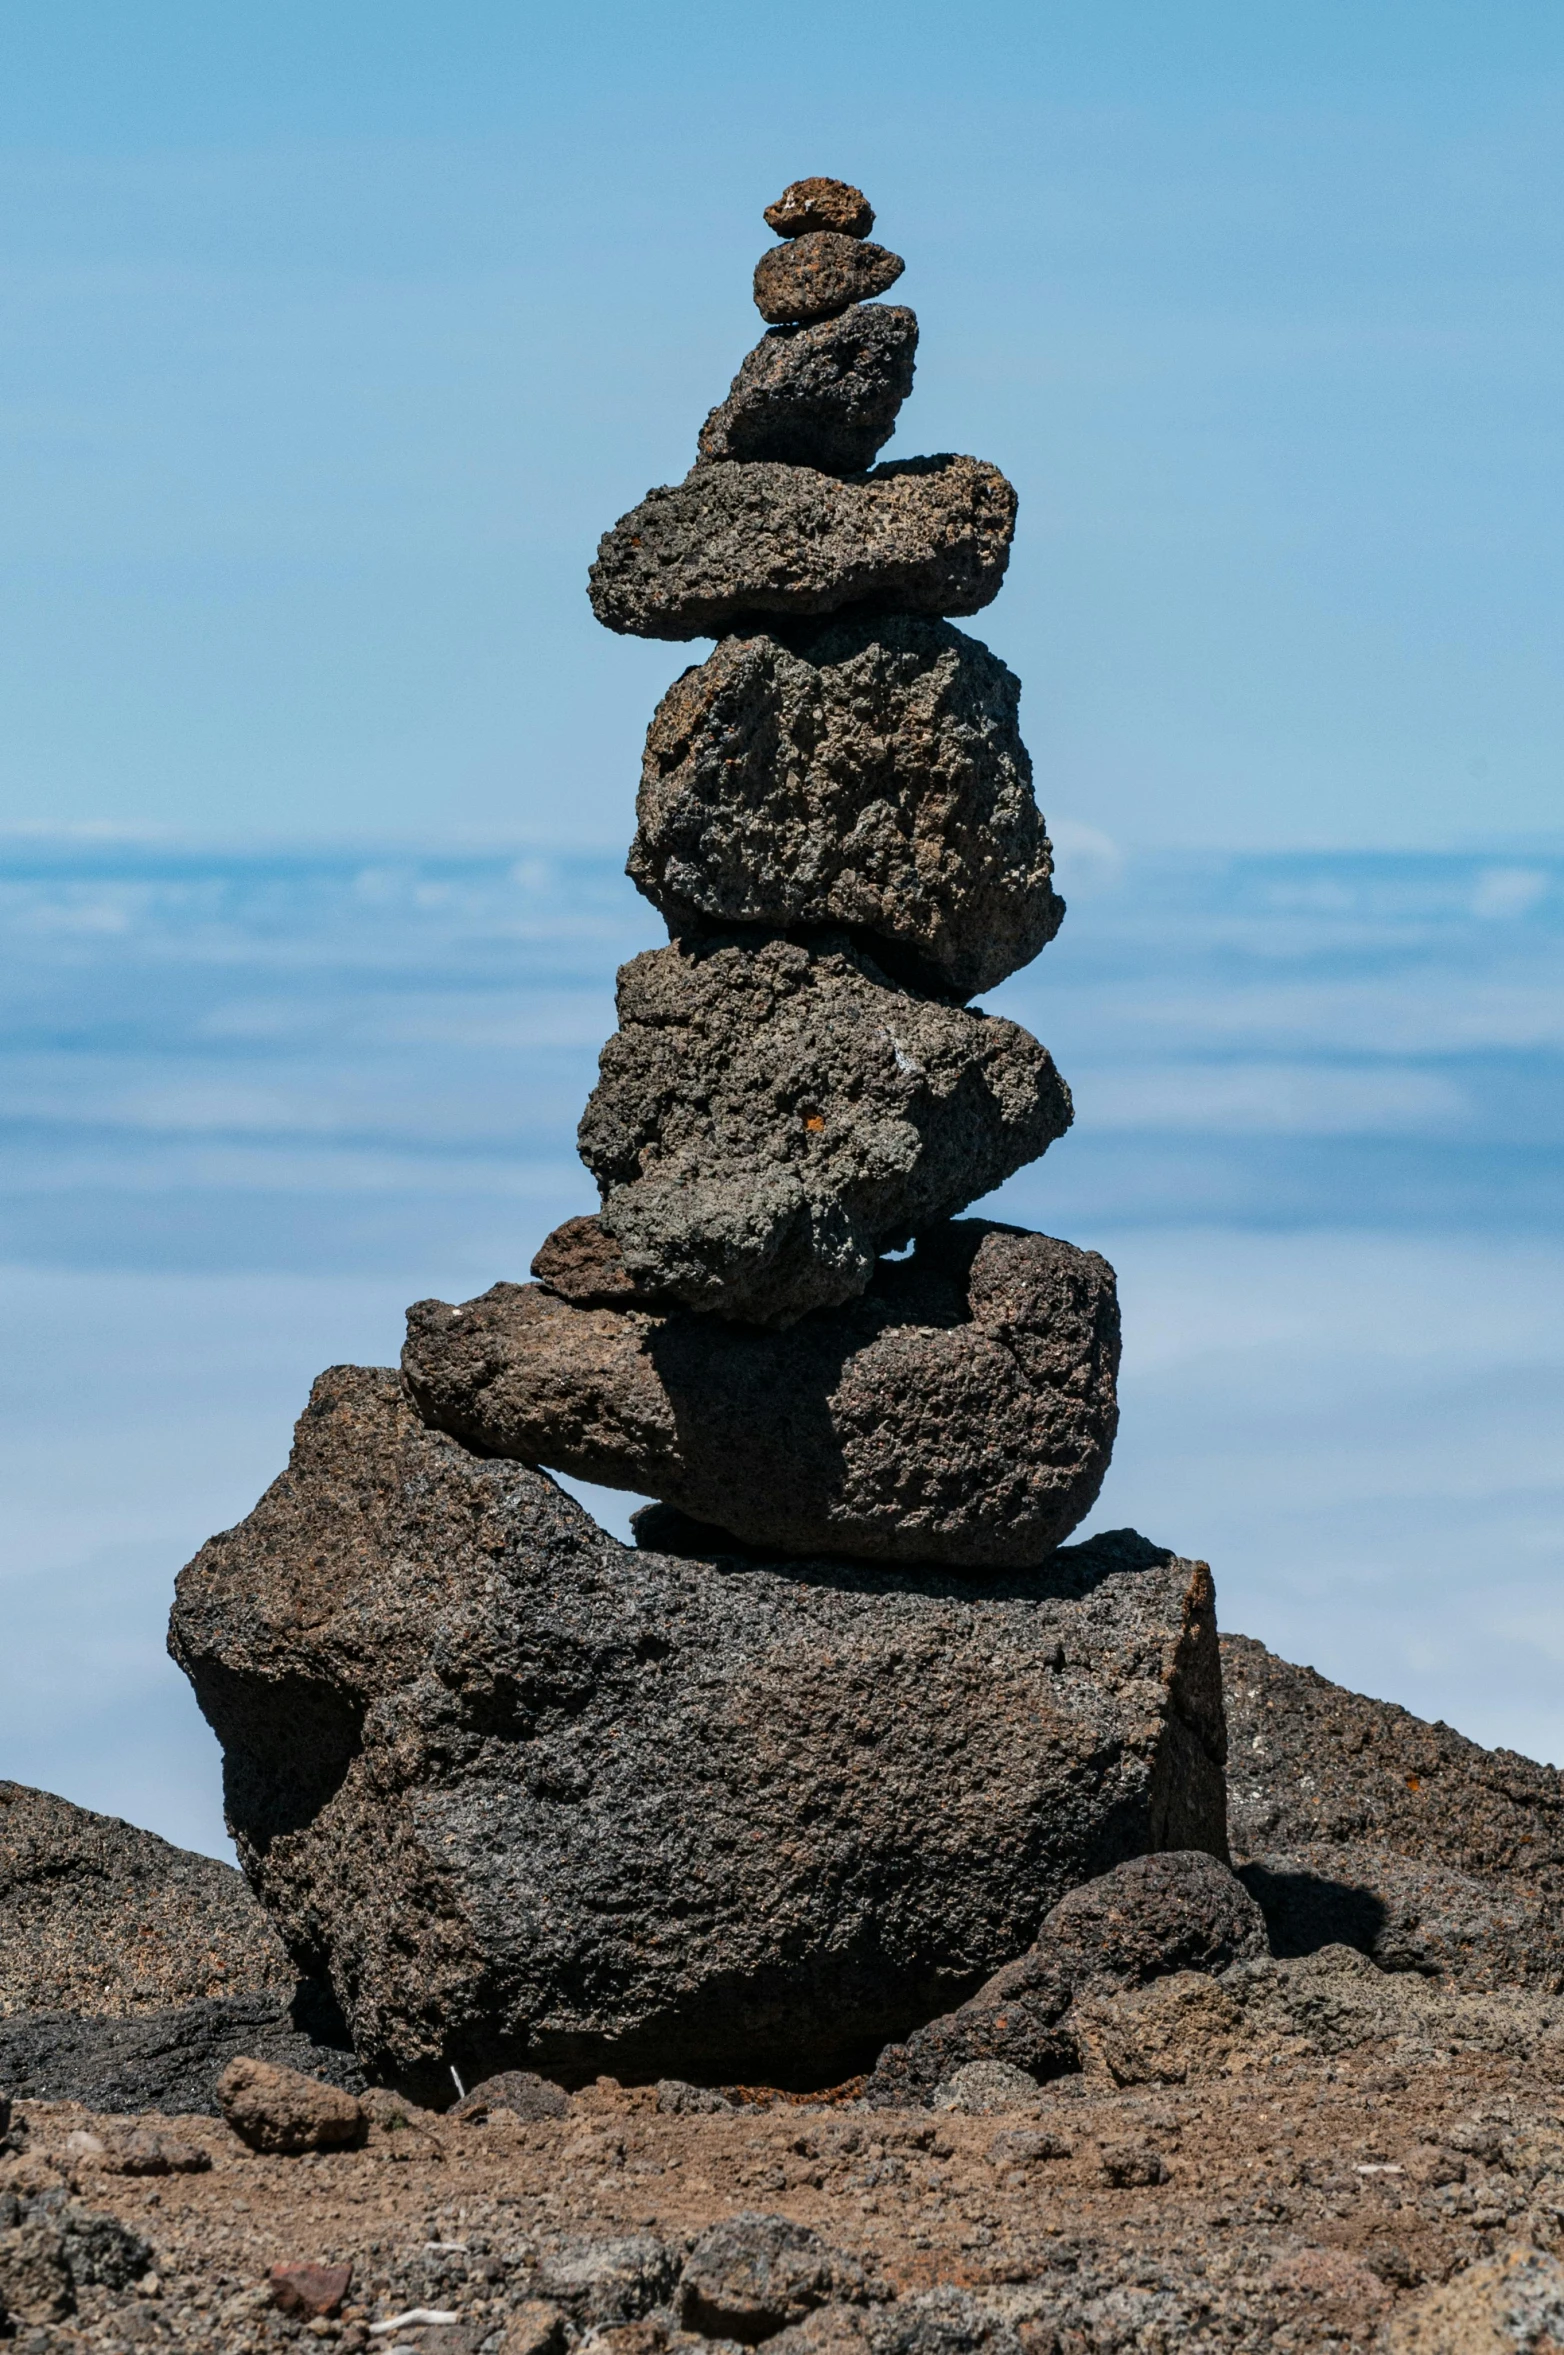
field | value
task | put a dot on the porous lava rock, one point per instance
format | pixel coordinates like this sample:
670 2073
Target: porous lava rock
529 1797
732 543
962 1411
751 2276
770 1115
1151 1917
171 2060
870 773
818 273
1355 1822
820 203
100 1918
280 2109
825 396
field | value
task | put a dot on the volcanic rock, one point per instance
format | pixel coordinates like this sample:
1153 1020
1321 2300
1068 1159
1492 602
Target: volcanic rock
521 2091
1355 1822
820 204
869 773
770 1116
731 543
1151 1917
169 2060
819 273
824 396
752 2276
279 2109
581 1261
98 1917
962 1411
533 1798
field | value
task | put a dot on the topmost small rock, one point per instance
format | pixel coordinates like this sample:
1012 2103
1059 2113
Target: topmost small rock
820 204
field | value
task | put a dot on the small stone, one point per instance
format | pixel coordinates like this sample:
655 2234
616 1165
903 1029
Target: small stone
989 1358
751 2276
310 2289
675 2099
536 2327
523 2094
868 773
820 204
1132 2164
604 2282
982 2087
700 558
142 2150
824 396
1176 2031
275 2109
581 1261
35 2281
769 1117
820 273
1508 2303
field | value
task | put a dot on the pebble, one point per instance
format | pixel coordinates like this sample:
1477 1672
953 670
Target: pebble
820 273
820 204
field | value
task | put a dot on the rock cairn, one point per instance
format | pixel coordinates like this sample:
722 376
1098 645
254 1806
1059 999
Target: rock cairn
805 1766
836 820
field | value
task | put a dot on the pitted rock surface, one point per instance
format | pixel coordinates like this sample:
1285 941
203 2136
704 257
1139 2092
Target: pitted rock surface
1149 1919
98 1917
734 543
770 1116
815 274
820 203
825 396
869 773
537 1799
170 2060
962 1411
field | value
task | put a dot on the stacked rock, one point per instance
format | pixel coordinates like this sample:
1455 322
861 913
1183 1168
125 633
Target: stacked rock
836 820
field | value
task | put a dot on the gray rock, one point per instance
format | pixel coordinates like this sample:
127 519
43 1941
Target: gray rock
818 272
942 2321
751 2276
675 2099
1149 1918
731 544
537 1799
869 773
820 203
824 396
98 1917
770 1116
167 2060
980 2088
1358 1823
962 1411
521 2091
603 2283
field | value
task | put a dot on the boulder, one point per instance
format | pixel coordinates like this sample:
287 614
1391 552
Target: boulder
824 396
731 544
1150 1918
962 1411
818 272
279 2109
170 2060
100 1918
771 1115
820 203
1355 1822
869 773
534 1798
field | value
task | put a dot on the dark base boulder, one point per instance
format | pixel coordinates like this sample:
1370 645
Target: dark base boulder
963 1411
529 1797
171 2060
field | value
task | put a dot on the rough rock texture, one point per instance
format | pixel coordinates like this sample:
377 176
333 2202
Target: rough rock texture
168 2060
582 1262
770 1116
824 396
281 2109
702 557
820 203
1512 2302
529 1796
752 2276
1143 1921
98 1917
870 773
521 2091
820 272
962 1411
1356 1822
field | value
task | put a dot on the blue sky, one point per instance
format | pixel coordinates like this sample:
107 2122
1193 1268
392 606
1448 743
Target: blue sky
332 337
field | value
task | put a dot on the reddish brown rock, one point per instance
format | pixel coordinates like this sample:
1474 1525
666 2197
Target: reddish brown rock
820 204
824 396
821 273
275 2109
310 2290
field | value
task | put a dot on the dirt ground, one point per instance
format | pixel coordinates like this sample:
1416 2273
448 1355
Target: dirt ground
1289 2207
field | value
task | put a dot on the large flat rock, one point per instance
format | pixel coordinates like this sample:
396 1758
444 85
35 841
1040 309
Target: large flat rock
963 1411
866 773
528 1796
702 557
770 1116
